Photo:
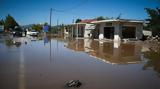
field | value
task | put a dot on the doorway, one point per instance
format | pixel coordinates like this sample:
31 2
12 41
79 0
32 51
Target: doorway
109 32
128 32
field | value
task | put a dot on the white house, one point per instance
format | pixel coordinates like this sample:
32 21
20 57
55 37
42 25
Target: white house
81 29
118 29
88 30
1 28
74 30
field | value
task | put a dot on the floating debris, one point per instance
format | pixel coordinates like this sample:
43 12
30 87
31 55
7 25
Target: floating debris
16 43
25 42
73 83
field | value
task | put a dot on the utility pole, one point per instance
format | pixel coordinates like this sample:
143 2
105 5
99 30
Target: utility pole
57 27
77 29
50 32
50 19
72 27
57 22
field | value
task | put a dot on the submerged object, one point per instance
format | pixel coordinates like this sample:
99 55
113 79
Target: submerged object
73 83
25 42
16 43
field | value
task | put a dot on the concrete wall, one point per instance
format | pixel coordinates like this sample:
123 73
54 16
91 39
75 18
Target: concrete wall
66 31
89 30
117 31
87 33
101 32
139 29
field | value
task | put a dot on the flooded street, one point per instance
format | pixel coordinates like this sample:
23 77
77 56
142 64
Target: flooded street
41 63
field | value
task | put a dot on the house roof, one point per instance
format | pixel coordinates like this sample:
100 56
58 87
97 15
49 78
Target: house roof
119 20
76 24
92 21
87 21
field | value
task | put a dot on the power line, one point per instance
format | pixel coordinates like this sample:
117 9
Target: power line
66 10
77 6
62 11
50 17
72 8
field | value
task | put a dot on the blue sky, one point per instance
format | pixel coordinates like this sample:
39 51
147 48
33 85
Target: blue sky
37 11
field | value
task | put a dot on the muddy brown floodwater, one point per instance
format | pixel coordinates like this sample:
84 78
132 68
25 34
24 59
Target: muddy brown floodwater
40 63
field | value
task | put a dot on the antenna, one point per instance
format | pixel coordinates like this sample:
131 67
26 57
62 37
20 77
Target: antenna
119 16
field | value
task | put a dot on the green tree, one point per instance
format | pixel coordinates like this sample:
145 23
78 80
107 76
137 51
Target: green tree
10 22
153 58
100 18
153 20
37 27
78 20
2 22
119 16
46 24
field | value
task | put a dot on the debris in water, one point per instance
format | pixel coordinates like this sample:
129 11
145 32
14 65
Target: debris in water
16 43
73 83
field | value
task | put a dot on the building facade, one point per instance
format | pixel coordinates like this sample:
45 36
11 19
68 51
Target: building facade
119 29
113 29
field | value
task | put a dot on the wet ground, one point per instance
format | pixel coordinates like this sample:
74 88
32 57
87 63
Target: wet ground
41 63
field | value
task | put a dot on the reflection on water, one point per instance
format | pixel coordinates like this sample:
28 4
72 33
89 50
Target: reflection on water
113 53
153 57
10 43
48 63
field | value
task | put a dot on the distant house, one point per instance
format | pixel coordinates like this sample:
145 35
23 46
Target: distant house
81 29
75 30
1 28
118 29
